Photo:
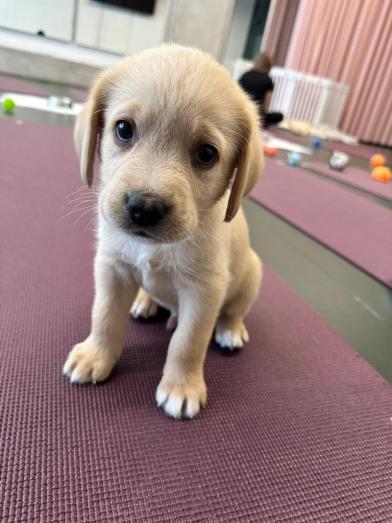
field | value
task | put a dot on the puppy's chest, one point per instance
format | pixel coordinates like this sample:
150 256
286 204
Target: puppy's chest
153 269
153 277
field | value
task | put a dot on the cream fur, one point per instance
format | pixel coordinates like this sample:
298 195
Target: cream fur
198 262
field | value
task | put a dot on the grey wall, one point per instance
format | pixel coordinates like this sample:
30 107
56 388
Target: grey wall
202 23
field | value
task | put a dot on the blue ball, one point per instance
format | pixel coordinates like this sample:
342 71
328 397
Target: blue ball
316 142
293 158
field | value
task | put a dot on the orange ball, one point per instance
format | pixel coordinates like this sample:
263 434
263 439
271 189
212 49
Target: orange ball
381 174
377 160
270 151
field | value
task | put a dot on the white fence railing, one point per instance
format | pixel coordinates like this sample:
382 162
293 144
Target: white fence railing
305 97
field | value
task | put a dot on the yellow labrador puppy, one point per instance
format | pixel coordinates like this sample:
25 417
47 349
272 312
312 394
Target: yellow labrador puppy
179 147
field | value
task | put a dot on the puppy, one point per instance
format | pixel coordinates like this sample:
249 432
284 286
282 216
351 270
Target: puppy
179 147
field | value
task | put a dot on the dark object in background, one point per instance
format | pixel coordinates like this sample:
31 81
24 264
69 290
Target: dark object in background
141 6
268 119
257 84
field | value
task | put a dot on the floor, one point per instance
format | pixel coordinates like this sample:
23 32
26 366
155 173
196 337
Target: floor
351 302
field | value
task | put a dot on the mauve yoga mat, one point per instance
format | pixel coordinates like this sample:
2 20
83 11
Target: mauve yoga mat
79 93
297 427
355 228
354 177
8 83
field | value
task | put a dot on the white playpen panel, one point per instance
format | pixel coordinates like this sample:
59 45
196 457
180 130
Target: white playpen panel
305 97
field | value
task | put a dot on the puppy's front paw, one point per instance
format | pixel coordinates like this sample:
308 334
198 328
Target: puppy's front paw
144 306
231 336
181 401
87 363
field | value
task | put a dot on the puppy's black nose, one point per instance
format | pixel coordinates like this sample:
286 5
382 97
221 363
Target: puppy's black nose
145 209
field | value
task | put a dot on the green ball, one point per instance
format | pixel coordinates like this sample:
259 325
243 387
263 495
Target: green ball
8 104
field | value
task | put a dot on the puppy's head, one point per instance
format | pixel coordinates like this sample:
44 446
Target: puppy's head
174 134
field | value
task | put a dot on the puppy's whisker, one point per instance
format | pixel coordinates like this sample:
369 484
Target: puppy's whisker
77 205
82 197
90 222
229 129
80 189
80 200
83 214
90 207
81 194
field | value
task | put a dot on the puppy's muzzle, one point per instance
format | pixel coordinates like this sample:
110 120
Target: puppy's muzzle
145 209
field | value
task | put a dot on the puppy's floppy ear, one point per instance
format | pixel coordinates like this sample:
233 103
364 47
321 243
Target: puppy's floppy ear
249 166
89 125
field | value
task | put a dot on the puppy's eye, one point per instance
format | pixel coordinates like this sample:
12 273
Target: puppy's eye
124 131
206 155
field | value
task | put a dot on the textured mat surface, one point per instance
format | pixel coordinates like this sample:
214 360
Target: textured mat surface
354 177
8 83
78 93
349 224
17 85
298 427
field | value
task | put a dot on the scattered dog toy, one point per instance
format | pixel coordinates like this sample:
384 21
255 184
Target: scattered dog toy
316 142
293 158
270 151
338 160
381 174
60 101
8 105
377 160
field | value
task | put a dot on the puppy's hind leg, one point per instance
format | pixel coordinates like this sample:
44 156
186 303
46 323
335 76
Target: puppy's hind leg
230 331
144 305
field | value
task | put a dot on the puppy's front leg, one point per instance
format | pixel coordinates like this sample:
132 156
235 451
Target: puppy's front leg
93 359
182 390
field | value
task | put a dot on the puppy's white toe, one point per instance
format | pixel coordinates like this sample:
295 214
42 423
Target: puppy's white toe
144 307
192 408
181 401
231 337
173 406
161 396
